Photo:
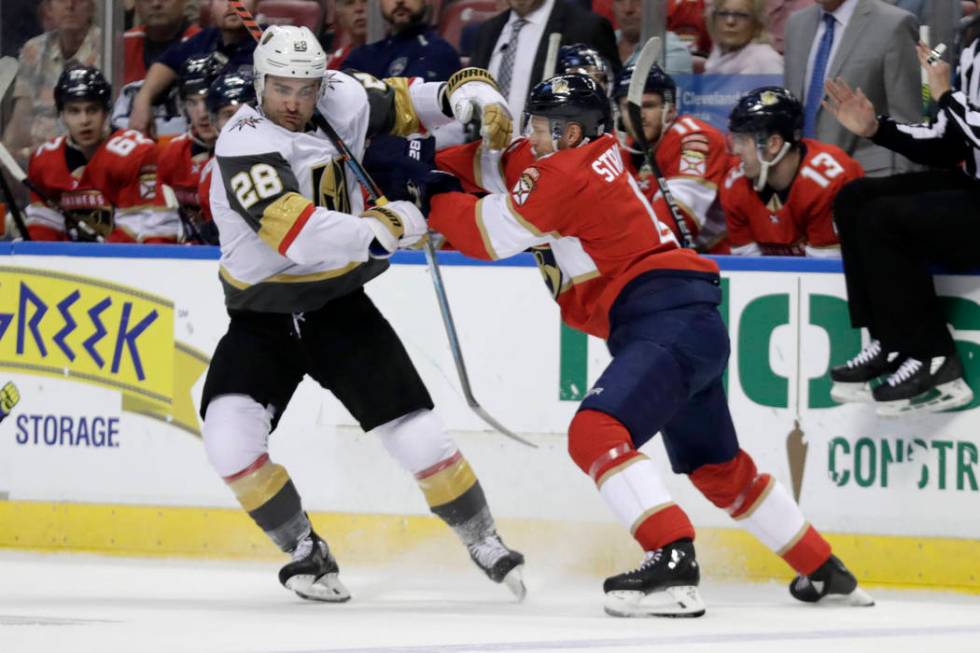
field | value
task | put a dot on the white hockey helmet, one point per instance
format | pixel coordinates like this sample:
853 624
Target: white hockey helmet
288 51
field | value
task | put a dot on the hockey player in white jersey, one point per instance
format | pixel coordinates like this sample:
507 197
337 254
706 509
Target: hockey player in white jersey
297 246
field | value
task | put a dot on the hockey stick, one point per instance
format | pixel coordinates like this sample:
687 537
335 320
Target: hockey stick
377 196
644 64
7 162
551 58
8 71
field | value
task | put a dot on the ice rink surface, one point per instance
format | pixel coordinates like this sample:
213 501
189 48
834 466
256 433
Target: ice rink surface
74 603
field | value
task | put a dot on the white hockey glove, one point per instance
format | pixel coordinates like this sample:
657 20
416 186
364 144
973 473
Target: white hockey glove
474 89
396 224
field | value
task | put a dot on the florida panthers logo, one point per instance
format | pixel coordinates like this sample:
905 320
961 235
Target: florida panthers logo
522 189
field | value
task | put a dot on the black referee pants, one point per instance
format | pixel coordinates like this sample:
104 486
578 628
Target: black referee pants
891 230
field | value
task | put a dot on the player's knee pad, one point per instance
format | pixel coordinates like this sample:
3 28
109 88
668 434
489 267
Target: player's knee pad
734 486
597 442
417 440
236 433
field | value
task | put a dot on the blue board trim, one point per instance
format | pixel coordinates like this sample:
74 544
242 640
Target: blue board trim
198 253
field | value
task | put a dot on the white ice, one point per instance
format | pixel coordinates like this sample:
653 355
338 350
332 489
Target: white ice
77 603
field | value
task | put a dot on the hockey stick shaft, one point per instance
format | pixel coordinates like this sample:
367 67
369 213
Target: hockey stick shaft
11 166
644 64
551 58
377 196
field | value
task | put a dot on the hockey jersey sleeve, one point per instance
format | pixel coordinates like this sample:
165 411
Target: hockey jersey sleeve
829 171
500 225
42 221
733 203
403 106
938 143
143 206
484 170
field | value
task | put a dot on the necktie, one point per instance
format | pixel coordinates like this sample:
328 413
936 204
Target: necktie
814 92
507 60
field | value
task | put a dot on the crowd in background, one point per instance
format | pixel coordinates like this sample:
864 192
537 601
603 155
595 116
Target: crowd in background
869 43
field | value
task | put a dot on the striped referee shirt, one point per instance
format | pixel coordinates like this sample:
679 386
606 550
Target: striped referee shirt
953 138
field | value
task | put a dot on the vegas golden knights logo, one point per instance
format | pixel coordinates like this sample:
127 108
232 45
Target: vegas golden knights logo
330 186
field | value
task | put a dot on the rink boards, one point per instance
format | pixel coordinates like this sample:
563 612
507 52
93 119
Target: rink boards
108 346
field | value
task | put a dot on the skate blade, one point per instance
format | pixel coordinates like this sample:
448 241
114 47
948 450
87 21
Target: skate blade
844 393
327 588
514 580
857 598
673 602
946 396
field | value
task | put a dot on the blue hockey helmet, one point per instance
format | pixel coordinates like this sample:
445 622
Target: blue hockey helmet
658 82
768 110
230 89
82 83
571 98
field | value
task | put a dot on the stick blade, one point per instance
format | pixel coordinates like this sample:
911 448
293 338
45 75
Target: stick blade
8 162
649 56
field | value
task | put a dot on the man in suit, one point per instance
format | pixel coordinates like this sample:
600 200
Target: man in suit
514 44
871 45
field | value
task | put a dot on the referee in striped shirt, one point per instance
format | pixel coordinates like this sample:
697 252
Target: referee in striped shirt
892 229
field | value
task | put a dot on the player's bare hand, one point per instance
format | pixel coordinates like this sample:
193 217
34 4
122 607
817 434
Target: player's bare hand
938 72
851 107
141 116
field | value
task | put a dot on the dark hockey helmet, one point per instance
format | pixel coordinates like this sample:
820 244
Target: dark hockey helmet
768 110
657 82
578 58
197 73
82 83
231 88
576 98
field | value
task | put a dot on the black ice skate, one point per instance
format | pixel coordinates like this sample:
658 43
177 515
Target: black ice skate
927 386
500 564
831 583
853 379
313 572
665 585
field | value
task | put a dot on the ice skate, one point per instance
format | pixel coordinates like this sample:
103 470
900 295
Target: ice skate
500 564
923 386
852 381
665 585
831 583
313 572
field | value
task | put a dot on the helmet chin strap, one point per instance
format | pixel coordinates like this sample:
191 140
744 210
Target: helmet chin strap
760 144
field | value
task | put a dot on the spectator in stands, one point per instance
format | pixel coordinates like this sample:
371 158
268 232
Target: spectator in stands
893 230
227 37
413 49
738 30
164 24
777 13
73 38
351 31
778 200
686 18
513 45
629 17
102 186
871 45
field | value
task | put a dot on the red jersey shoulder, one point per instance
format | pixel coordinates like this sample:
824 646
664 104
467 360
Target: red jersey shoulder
174 156
823 171
125 154
694 148
48 154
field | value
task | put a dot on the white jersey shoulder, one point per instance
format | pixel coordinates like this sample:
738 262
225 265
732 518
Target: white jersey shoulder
344 104
249 132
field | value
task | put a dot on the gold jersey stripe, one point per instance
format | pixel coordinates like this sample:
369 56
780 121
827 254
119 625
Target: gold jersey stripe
289 278
758 502
647 514
448 484
406 120
621 467
484 233
256 489
280 216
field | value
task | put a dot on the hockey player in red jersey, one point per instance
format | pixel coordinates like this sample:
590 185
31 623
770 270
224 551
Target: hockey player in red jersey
778 200
95 186
184 158
225 95
691 154
617 272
